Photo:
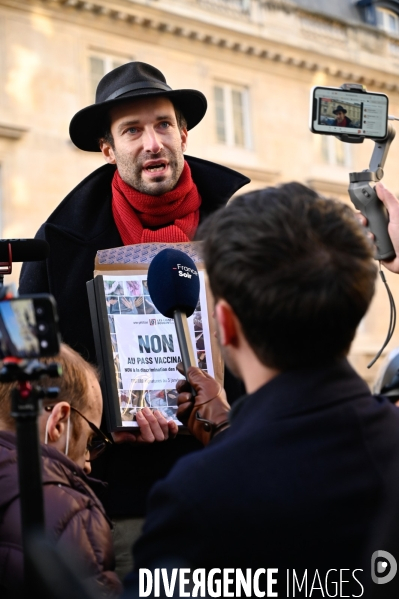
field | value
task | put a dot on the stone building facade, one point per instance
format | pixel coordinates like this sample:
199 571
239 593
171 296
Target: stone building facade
255 60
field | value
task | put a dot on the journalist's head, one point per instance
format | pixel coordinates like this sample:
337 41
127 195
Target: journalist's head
293 271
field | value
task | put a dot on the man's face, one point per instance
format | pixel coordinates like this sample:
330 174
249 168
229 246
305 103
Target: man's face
340 116
148 145
92 411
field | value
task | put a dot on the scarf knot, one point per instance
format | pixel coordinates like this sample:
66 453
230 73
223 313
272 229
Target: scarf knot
168 218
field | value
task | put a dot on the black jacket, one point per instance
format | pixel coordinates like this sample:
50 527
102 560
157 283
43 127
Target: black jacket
348 122
81 225
297 481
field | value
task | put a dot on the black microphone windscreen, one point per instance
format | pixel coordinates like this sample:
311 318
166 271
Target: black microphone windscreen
24 250
173 282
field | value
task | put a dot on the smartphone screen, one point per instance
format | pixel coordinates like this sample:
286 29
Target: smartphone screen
334 111
29 327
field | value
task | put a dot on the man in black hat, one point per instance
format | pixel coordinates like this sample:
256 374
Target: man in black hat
147 192
342 120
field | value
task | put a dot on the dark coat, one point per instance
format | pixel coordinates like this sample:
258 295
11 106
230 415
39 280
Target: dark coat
74 518
295 482
80 226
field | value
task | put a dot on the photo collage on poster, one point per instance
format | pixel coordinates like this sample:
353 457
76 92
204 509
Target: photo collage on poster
145 347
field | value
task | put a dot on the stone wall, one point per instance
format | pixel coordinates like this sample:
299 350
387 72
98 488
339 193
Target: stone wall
271 51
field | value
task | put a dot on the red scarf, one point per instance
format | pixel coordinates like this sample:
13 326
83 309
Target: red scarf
137 214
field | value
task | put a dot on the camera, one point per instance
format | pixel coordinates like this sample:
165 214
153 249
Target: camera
338 111
351 114
29 327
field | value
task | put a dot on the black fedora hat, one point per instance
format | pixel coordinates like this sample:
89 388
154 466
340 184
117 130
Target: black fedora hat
130 81
339 109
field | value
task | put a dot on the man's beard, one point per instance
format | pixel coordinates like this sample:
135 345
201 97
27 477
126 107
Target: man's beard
131 173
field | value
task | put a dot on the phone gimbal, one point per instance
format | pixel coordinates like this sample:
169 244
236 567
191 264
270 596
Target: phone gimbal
361 192
365 199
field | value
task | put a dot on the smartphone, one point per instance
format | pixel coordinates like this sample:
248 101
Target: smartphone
335 111
29 327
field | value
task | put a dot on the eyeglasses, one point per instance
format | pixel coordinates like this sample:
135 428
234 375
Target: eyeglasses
97 444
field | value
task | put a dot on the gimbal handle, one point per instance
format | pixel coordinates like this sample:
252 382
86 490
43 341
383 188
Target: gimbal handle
363 195
364 198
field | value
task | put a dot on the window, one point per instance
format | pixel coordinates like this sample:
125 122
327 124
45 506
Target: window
335 152
232 115
387 20
100 66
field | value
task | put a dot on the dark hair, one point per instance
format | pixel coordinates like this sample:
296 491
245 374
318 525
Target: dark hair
73 385
297 269
107 136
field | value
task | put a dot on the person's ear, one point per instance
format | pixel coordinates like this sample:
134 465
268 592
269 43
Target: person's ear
183 137
228 325
57 421
107 151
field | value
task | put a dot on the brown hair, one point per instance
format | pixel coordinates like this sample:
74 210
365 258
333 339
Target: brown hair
297 269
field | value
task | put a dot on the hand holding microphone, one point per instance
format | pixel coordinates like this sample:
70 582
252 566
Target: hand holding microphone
207 413
173 283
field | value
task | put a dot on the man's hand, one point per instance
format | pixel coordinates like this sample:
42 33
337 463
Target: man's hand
391 203
127 303
111 301
207 413
153 427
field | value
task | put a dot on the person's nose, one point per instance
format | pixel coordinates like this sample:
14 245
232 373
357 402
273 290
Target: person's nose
151 141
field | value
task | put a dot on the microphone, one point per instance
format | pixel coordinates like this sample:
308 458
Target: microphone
24 250
173 283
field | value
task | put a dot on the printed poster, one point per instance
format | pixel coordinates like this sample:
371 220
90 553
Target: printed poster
145 346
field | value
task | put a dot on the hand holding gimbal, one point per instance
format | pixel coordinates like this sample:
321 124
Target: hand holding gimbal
362 192
363 196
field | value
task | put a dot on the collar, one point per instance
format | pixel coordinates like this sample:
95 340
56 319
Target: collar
85 213
303 390
60 463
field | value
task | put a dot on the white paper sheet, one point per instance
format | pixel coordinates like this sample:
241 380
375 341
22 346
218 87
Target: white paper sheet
145 346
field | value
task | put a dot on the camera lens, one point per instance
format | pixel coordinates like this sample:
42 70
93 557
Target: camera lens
39 311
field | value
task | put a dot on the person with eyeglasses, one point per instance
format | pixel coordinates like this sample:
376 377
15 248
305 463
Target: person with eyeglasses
70 440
